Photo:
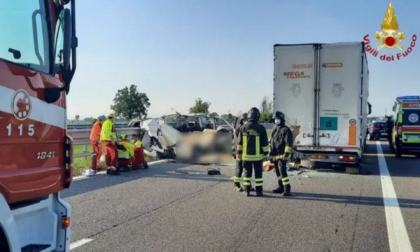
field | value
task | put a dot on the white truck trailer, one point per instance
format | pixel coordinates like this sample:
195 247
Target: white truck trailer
323 90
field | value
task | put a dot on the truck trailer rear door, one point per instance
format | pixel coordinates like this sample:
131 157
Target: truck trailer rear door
294 90
341 101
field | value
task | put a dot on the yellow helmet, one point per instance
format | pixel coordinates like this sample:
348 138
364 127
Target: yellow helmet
111 115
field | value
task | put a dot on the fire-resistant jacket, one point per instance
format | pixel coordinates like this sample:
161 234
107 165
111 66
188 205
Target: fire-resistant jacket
95 134
108 130
253 142
281 141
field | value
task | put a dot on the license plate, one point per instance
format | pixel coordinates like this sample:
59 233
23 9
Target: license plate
412 136
383 133
317 156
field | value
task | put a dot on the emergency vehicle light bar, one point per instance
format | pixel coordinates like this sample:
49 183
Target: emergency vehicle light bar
408 98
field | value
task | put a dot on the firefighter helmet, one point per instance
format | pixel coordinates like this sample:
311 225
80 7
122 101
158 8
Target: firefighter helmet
254 114
278 115
242 119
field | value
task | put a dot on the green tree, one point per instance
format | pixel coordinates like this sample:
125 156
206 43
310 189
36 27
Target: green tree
129 103
228 117
214 114
266 105
200 107
266 117
266 110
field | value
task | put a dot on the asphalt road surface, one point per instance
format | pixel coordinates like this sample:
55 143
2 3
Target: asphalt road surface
177 207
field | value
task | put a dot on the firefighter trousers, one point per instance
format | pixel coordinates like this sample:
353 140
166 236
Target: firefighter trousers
281 172
258 168
238 173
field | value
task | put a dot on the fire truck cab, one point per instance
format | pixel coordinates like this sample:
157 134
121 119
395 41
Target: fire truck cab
406 132
37 63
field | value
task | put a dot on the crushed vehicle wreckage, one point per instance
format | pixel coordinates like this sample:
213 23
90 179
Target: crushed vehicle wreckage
195 138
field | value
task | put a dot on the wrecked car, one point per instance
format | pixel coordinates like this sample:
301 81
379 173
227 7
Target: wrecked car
196 135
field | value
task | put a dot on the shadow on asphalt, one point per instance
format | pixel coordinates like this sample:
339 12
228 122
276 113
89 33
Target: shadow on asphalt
165 170
345 199
407 166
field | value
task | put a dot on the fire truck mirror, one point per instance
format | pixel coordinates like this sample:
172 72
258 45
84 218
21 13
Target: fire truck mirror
67 32
63 39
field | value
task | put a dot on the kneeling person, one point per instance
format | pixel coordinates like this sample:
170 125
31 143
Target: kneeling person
124 154
138 160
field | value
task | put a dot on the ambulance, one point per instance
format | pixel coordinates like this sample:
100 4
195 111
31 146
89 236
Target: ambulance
406 131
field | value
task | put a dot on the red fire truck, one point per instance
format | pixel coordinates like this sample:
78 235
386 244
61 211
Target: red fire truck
37 62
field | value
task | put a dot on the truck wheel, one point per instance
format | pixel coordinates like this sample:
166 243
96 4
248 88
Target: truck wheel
4 245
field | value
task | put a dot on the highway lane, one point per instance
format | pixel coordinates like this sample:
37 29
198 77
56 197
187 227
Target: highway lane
176 207
405 173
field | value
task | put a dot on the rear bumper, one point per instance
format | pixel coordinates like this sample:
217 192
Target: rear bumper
411 147
328 157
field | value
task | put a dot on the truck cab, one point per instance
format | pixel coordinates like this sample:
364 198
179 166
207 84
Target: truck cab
37 45
406 131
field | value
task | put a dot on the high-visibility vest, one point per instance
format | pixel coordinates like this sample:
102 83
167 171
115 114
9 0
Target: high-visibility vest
124 154
108 130
137 144
95 134
129 147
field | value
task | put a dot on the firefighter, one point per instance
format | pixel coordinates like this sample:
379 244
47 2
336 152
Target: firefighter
124 154
252 147
280 148
109 137
138 160
239 163
95 141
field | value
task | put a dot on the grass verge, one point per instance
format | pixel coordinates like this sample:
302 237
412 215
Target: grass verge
81 164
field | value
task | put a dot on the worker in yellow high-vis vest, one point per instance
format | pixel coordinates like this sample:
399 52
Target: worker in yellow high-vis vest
109 137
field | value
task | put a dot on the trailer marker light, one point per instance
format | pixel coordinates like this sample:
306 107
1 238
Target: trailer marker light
65 222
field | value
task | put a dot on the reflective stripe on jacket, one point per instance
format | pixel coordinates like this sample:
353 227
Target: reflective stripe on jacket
253 142
281 141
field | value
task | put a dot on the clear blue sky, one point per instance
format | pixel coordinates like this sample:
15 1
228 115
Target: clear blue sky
222 50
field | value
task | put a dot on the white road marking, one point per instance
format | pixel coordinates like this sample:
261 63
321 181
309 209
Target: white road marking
81 177
79 243
397 232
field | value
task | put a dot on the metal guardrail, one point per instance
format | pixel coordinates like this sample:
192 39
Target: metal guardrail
81 137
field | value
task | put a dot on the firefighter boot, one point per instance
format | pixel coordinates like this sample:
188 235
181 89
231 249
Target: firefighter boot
247 191
287 190
279 189
259 191
238 187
